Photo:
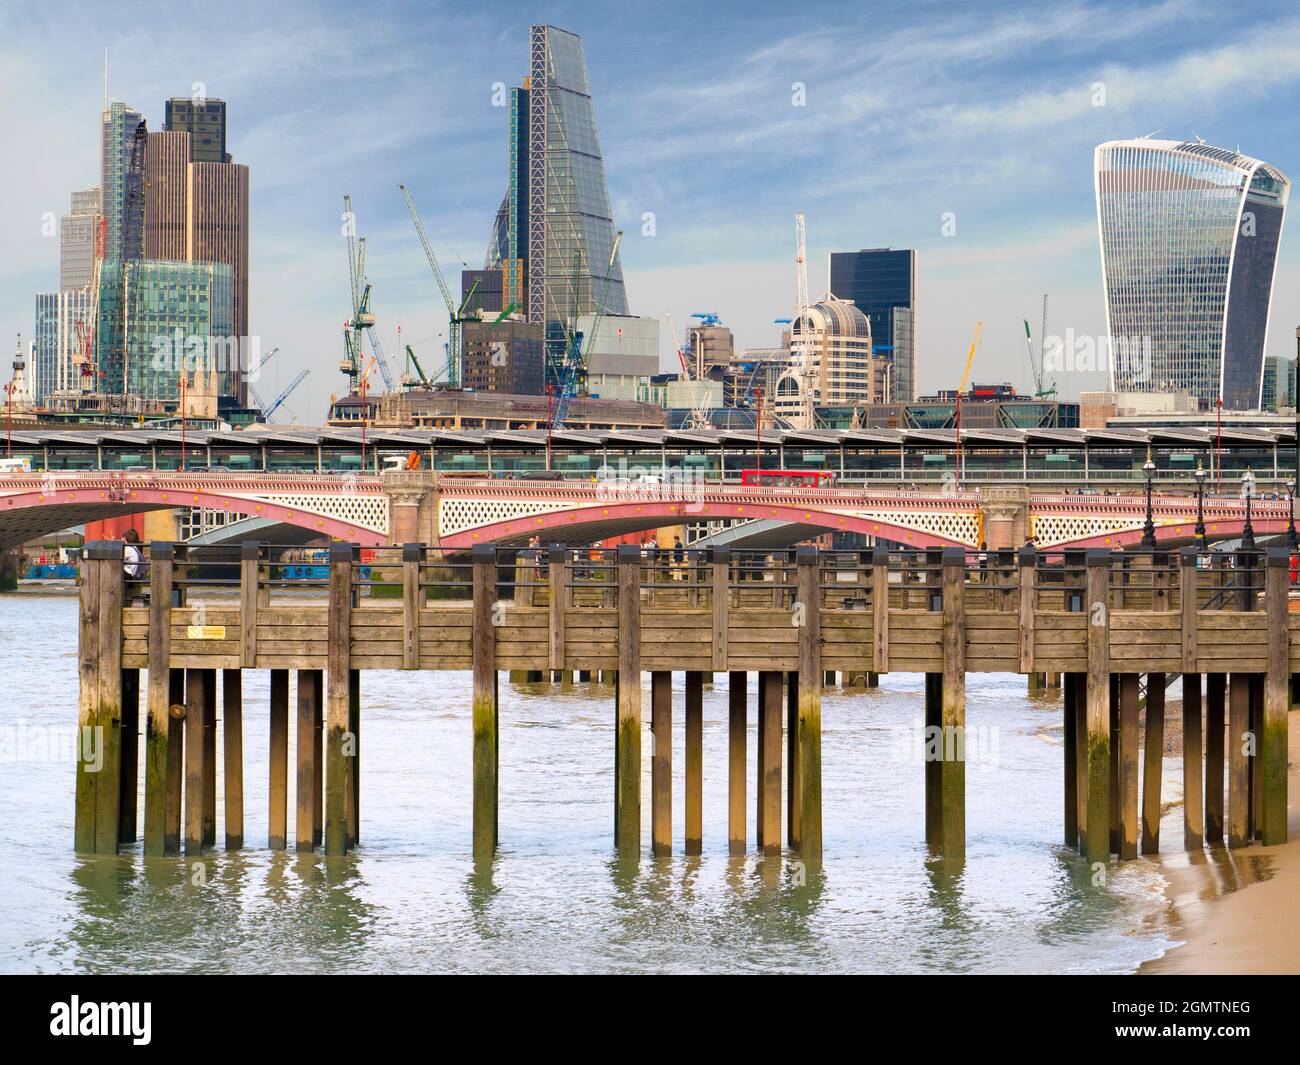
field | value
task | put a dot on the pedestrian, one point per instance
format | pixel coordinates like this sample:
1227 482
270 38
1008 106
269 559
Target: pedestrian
132 563
983 559
679 559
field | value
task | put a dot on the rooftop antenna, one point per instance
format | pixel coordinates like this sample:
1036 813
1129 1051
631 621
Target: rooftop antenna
1199 138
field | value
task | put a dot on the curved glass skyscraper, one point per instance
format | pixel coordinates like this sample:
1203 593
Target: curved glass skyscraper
1189 238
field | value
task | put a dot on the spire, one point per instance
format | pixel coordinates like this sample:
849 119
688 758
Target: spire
105 79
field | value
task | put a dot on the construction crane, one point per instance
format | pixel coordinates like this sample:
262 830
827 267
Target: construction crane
965 376
572 376
276 403
363 318
410 354
1043 388
677 344
455 312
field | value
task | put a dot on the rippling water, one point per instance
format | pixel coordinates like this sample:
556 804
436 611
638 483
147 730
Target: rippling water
409 899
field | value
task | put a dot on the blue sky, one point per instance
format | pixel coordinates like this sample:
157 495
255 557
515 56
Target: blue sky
985 111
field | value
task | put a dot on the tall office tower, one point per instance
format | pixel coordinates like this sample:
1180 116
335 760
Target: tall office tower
204 120
881 282
62 320
1189 237
77 240
122 152
554 231
166 214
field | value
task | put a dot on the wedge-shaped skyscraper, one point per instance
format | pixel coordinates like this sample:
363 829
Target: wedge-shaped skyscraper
1189 239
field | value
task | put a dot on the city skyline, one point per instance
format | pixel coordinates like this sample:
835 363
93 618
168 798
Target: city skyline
706 162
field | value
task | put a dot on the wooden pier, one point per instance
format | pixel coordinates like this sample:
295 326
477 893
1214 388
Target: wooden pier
1115 627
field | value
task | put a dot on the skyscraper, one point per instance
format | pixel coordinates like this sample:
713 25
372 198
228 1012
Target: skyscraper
204 120
554 232
77 240
122 152
881 282
1189 236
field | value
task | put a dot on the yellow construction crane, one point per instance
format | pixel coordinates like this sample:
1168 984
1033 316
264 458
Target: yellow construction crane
970 358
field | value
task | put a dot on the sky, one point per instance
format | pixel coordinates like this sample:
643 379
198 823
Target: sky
963 130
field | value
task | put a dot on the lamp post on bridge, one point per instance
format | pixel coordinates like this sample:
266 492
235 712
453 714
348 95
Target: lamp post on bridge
1199 534
1248 490
1291 544
1149 527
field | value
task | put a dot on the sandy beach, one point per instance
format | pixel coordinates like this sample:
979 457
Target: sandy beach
1236 911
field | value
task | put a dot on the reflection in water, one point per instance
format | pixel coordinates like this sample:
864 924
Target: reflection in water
556 897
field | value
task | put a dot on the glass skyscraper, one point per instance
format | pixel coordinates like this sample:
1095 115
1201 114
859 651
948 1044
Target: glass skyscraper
1189 238
122 145
881 283
555 230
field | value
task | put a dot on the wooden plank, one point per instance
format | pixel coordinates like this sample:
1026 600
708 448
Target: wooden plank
1275 738
249 601
1153 755
808 760
1097 830
694 726
158 700
232 710
278 758
719 569
661 763
737 684
627 740
1238 743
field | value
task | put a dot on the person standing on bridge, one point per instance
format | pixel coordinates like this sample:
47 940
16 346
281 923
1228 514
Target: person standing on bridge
132 560
679 559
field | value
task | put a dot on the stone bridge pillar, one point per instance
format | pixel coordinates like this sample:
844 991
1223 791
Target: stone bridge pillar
1005 514
412 506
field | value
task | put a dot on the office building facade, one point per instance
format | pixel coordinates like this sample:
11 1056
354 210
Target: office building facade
881 282
554 233
204 120
123 148
831 363
1189 236
77 232
506 356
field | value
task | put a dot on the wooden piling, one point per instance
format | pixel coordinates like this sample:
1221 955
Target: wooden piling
1028 565
1115 746
809 748
694 726
879 613
933 755
953 775
412 556
1079 682
309 693
737 684
88 728
1098 700
158 700
769 741
106 738
558 574
627 743
1193 794
232 710
1216 686
661 763
354 733
1153 755
196 694
130 780
1070 790
339 749
484 702
1273 768
792 760
1238 743
249 600
720 595
208 678
1128 765
278 758
173 816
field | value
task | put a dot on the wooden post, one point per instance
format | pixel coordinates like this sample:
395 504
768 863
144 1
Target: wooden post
1070 736
661 763
129 788
232 709
1115 746
1193 796
809 720
557 572
172 829
769 767
953 774
736 756
208 678
278 757
933 755
89 732
1216 685
720 568
627 742
1153 763
249 600
1079 682
1238 760
340 756
354 732
196 693
1098 699
1273 774
108 719
792 760
694 762
309 685
412 556
484 710
879 612
158 700
1028 574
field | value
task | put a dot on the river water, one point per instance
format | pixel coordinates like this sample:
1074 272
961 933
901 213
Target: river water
409 899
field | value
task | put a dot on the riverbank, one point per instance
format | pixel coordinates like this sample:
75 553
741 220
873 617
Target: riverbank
1235 911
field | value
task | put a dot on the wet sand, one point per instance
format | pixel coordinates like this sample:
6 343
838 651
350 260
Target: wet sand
1237 911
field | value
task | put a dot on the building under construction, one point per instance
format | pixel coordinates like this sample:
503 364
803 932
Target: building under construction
420 408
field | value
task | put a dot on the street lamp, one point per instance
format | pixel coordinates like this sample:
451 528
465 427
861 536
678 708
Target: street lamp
1248 490
1149 528
1291 545
1199 474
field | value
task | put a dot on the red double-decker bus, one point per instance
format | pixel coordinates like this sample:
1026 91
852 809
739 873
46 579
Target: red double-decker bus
786 478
